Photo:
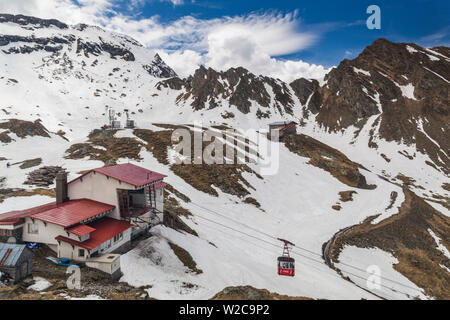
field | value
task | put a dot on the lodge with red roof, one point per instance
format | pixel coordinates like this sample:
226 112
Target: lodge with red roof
95 214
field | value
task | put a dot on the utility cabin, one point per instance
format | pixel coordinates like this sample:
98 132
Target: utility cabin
130 123
16 261
282 128
113 123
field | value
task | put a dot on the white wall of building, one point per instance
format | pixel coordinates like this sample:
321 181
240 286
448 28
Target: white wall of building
67 250
47 232
105 264
10 226
98 187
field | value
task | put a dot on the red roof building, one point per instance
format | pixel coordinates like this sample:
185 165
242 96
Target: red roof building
129 173
81 230
17 217
65 214
104 230
95 210
73 212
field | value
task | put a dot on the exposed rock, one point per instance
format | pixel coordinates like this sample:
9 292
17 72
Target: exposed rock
345 196
44 176
251 293
406 236
404 84
103 146
96 49
159 69
228 178
4 137
329 159
24 128
185 258
52 44
252 201
30 163
236 85
31 21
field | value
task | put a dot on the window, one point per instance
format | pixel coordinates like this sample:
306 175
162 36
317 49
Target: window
33 228
118 237
105 245
81 252
7 233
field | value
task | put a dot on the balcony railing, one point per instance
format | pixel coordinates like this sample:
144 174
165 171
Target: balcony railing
134 212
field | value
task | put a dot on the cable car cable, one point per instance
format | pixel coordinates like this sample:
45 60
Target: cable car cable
299 254
304 249
301 248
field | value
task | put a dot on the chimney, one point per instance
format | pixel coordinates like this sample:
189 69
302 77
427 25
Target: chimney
61 187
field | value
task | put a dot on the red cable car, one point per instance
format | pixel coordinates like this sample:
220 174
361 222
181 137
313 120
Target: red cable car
286 264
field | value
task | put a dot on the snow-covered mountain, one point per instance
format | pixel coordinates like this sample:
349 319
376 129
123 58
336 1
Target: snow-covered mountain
372 153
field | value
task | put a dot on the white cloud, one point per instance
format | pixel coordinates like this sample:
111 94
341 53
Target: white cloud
175 2
252 41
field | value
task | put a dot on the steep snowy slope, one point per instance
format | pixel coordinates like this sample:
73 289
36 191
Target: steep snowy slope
57 81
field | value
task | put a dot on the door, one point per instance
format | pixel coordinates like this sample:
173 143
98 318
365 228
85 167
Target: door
24 270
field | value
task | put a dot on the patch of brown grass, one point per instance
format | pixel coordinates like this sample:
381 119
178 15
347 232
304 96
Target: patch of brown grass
345 196
253 201
24 128
405 235
185 258
328 159
111 150
446 186
251 293
9 193
226 177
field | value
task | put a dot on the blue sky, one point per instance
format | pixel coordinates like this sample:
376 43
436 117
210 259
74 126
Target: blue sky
284 39
340 24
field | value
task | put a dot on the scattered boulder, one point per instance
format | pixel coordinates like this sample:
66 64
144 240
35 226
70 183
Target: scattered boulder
30 163
346 195
251 293
44 176
24 128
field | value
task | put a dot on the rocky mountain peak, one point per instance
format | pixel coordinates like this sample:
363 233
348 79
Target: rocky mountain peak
31 22
400 89
209 89
158 68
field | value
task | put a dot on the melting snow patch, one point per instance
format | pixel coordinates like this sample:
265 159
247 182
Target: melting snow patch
440 246
367 73
22 203
433 58
437 75
437 54
407 90
40 284
88 297
379 275
444 267
411 49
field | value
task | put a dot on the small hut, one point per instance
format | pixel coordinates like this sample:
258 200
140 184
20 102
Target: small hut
16 261
282 128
